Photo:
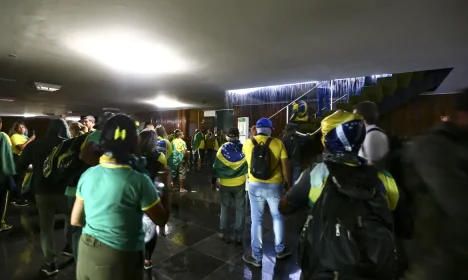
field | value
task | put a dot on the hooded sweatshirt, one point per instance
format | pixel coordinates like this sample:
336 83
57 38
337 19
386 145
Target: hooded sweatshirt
37 151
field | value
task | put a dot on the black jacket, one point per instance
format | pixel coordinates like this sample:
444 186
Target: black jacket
37 151
438 187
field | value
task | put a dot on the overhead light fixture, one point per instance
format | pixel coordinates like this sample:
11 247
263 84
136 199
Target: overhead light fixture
165 102
6 100
250 90
46 87
72 118
128 52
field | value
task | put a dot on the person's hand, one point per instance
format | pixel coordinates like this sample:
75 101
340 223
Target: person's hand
32 137
286 186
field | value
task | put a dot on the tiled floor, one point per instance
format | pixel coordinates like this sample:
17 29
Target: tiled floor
189 249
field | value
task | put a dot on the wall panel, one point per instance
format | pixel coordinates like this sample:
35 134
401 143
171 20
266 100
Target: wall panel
418 116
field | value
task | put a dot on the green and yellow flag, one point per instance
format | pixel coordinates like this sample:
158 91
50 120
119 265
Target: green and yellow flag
230 162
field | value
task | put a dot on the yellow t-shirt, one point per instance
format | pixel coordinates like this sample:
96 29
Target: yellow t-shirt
7 137
278 152
162 159
168 147
17 139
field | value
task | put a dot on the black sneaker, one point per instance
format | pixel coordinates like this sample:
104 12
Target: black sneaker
67 251
239 240
20 202
283 255
49 269
251 260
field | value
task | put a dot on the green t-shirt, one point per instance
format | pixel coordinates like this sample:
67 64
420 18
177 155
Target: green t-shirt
115 197
94 136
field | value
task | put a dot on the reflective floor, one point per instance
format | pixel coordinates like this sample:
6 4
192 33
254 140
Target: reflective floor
189 248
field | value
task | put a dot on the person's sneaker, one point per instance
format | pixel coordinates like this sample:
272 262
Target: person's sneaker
224 237
148 264
5 227
49 269
283 255
239 240
67 251
251 260
20 202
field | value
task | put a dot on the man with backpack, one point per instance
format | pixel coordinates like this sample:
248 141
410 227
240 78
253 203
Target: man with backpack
349 230
50 198
376 143
267 160
438 187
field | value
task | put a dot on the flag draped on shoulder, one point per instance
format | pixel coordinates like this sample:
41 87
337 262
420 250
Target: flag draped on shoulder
230 162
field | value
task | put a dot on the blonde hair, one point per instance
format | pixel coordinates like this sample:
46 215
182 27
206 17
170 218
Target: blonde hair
77 129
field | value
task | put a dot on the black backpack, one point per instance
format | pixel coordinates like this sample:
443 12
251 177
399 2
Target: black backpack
260 162
63 166
349 231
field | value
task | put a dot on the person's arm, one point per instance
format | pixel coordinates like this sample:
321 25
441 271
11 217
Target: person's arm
151 204
435 162
21 147
76 219
90 154
298 196
285 166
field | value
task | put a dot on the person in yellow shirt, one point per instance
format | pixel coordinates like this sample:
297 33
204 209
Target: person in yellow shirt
19 141
267 191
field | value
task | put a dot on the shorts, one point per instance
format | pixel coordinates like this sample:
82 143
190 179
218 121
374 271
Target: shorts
183 169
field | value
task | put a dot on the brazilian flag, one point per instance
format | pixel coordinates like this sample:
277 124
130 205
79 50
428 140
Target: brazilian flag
230 162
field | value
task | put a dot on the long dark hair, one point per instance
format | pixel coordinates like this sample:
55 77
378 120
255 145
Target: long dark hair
120 138
147 141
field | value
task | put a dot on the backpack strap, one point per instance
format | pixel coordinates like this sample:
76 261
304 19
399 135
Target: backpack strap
268 141
254 142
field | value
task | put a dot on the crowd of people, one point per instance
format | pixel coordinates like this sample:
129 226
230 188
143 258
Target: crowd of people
377 210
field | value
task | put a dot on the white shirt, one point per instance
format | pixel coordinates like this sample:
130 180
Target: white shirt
375 146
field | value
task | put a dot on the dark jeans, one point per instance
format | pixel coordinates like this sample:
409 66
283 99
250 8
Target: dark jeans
209 158
150 246
233 196
74 233
295 170
48 205
17 184
97 261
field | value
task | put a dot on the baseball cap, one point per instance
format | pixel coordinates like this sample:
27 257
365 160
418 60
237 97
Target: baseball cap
233 132
263 123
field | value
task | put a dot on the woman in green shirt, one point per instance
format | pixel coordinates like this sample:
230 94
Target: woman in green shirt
113 196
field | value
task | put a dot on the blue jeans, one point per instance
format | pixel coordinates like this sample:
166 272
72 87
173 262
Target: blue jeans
259 194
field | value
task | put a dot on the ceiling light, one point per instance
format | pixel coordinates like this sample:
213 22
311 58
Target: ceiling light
46 87
72 118
6 100
128 53
250 90
164 102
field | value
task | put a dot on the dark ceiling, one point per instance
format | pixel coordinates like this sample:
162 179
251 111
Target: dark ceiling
114 53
